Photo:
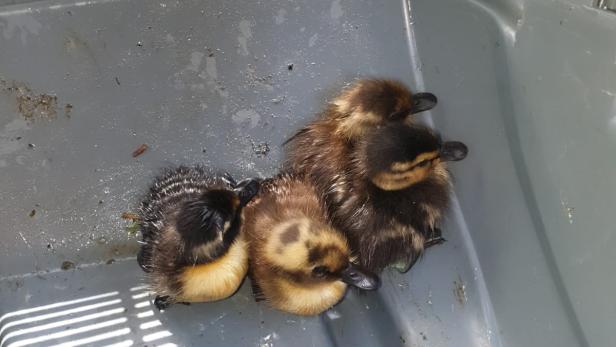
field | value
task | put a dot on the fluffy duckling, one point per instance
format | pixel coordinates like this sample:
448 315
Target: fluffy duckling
299 263
388 216
360 108
399 189
190 222
325 146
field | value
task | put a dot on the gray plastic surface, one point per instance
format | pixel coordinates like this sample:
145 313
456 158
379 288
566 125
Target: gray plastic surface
530 86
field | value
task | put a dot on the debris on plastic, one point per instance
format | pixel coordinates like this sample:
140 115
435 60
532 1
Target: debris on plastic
31 105
140 150
261 149
67 265
568 210
278 100
110 261
290 67
131 216
68 108
117 80
132 228
459 291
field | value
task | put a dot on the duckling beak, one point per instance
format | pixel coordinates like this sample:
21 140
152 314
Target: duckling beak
247 189
423 102
360 278
453 151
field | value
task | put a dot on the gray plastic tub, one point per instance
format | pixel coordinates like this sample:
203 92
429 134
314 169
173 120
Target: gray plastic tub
530 86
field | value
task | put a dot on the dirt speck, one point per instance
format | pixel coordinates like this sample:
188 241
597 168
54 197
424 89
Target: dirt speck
117 80
68 108
32 213
31 105
67 265
459 291
110 261
423 336
140 150
290 67
260 149
402 339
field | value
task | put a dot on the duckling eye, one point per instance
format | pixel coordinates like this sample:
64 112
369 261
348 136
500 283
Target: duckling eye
423 163
319 271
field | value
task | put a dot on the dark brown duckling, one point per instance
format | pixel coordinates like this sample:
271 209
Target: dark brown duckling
324 148
398 193
192 247
298 262
332 151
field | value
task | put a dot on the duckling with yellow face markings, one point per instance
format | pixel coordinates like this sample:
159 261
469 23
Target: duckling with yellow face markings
299 262
192 249
400 192
381 176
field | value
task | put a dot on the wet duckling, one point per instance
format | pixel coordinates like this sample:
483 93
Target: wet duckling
360 108
298 262
192 248
399 189
325 146
370 209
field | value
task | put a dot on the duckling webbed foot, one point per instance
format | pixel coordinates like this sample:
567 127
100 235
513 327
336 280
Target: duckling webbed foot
403 266
162 302
435 238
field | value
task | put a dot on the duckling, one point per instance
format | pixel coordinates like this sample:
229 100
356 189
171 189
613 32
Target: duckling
389 218
298 262
363 106
324 147
398 193
191 246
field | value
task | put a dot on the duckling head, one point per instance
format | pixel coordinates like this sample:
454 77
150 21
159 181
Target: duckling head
308 254
212 221
372 102
398 156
